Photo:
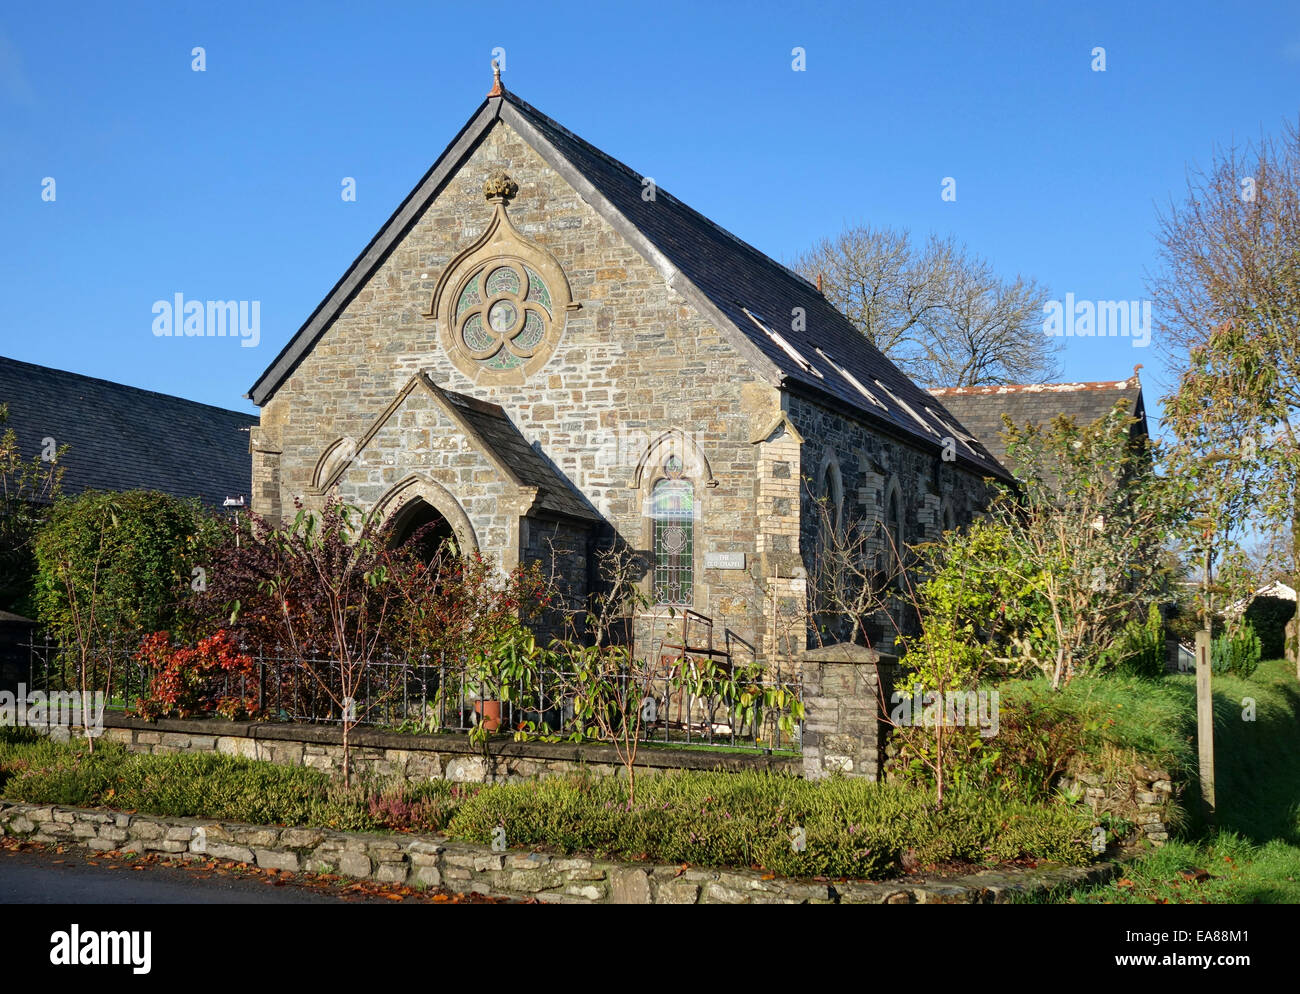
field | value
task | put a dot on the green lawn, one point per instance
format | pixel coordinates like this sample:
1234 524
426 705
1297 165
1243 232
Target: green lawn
1251 854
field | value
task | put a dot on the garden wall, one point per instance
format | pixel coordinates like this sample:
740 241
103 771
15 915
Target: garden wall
1145 797
414 757
435 861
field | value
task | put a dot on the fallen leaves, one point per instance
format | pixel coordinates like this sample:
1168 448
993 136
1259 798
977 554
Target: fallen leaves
339 888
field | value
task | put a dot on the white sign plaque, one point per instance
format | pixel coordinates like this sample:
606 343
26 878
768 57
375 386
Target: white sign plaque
724 560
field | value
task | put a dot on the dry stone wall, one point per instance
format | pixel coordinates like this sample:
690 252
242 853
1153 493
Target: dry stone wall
435 861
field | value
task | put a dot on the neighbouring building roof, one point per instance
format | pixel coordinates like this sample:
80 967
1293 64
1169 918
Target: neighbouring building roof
124 438
751 298
1278 589
980 409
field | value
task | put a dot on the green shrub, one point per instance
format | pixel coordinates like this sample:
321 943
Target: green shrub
213 786
1269 617
850 828
1237 654
1037 736
134 549
1141 652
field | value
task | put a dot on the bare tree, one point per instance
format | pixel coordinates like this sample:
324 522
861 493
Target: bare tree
990 331
941 314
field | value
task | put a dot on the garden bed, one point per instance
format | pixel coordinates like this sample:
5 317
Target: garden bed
779 824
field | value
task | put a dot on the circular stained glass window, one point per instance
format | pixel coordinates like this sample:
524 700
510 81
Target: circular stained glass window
505 323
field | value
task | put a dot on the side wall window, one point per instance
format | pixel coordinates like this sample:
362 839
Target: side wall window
894 522
673 511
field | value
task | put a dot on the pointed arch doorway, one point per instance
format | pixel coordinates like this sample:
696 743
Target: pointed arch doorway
420 520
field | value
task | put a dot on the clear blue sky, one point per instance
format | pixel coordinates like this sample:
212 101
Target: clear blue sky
225 184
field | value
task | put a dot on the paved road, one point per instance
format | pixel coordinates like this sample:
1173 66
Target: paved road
35 878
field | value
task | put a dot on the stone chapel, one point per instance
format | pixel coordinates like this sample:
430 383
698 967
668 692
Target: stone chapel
543 353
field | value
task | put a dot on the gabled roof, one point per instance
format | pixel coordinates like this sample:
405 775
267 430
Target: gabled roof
487 427
123 438
774 317
498 434
980 409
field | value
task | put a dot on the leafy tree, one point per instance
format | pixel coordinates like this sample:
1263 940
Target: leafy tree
1085 528
27 488
1228 305
131 552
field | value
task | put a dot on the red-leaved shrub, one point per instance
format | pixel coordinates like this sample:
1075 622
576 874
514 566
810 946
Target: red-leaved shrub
212 677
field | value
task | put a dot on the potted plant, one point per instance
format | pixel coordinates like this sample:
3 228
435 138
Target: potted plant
496 675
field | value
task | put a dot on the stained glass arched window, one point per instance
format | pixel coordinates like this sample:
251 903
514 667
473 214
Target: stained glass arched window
672 508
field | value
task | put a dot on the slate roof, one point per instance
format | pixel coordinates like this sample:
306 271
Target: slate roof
980 409
727 279
124 438
496 431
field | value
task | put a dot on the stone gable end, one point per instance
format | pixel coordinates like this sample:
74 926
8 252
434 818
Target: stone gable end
636 360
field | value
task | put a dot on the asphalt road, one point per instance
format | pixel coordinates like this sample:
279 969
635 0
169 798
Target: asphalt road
68 878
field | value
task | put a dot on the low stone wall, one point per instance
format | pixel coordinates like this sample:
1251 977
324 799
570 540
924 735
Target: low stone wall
435 861
413 757
1146 797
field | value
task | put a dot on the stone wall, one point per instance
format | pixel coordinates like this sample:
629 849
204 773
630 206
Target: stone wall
435 861
1147 797
843 731
865 465
413 757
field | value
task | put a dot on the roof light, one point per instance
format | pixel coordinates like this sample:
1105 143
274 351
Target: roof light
908 408
857 384
779 339
954 431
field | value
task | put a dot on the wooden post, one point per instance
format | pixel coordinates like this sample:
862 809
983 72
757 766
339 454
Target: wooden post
1205 722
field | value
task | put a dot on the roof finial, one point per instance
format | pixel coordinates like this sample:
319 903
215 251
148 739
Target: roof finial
496 90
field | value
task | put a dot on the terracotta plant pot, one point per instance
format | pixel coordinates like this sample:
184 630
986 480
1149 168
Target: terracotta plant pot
489 713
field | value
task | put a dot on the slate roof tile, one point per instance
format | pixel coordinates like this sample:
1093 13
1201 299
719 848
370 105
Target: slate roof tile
980 409
532 469
124 438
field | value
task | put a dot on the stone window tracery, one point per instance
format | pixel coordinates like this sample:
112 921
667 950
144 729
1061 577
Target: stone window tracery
503 313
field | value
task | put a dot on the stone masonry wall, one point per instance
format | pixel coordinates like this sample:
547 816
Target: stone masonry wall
869 464
435 861
413 757
1146 797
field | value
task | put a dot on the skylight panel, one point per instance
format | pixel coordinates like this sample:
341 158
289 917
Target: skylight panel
853 380
789 349
954 431
908 408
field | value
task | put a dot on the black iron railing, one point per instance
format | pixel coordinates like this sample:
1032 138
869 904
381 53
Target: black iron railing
442 694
